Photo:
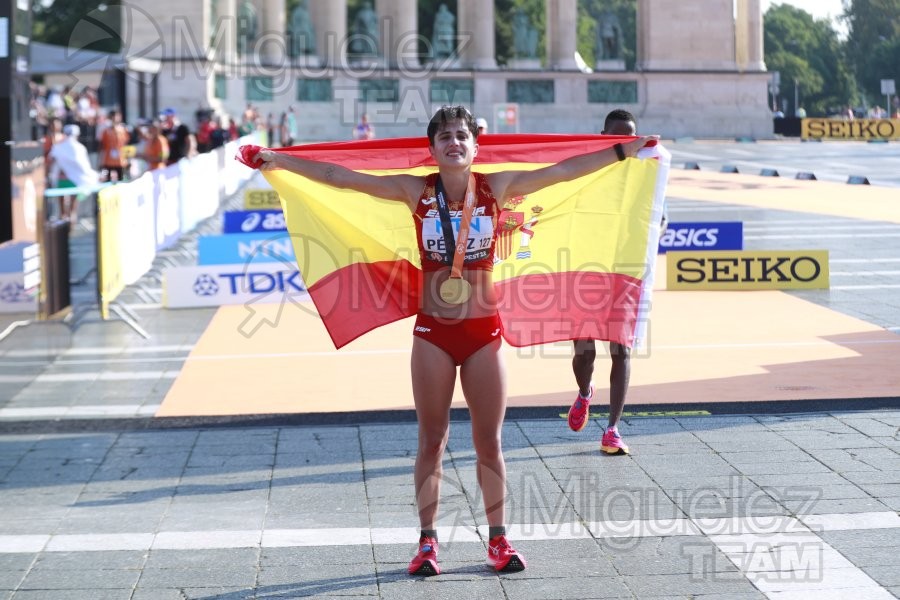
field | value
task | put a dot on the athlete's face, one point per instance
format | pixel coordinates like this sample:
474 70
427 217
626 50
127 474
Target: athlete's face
454 145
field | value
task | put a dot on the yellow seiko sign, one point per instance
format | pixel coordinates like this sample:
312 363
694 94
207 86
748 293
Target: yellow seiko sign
747 270
858 129
261 199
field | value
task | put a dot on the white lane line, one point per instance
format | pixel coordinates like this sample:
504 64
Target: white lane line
100 361
23 543
796 565
718 207
149 306
343 353
92 376
863 273
813 228
784 529
865 287
334 353
563 346
821 236
854 521
100 350
100 410
787 222
852 261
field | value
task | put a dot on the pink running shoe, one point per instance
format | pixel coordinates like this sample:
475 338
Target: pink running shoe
612 443
578 414
425 563
504 557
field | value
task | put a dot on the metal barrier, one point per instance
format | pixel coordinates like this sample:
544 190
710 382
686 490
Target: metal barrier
56 292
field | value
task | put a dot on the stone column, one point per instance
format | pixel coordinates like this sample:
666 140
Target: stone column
475 29
224 31
642 22
272 31
751 23
668 38
562 33
399 28
329 19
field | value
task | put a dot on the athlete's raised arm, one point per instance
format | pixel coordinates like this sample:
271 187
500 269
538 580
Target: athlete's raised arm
403 188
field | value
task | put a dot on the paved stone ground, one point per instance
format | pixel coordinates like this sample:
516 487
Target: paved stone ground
101 501
782 506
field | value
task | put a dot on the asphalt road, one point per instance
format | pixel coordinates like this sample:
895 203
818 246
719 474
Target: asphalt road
829 161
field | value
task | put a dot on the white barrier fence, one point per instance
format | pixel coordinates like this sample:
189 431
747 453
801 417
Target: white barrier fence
138 219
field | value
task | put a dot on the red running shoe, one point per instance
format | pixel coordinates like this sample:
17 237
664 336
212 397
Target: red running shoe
424 563
612 442
578 414
504 557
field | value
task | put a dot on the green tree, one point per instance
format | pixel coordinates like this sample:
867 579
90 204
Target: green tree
873 44
809 55
53 22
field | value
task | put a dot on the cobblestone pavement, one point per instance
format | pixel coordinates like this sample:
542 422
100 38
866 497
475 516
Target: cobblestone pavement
103 501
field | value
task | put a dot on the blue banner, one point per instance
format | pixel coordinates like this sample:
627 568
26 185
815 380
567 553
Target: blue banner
252 221
245 248
727 235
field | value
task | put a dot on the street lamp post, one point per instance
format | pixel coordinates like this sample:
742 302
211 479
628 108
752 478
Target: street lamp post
774 88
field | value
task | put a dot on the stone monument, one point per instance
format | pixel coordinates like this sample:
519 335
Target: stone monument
301 36
609 43
443 38
525 42
247 27
364 39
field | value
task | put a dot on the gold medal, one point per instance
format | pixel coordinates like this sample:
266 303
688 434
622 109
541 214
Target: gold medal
455 290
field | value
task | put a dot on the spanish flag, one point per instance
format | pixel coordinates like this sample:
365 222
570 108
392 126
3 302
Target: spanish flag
574 260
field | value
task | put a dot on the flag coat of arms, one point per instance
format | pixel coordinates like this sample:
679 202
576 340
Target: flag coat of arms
573 261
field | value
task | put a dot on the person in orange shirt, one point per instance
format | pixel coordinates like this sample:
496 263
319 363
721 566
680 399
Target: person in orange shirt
53 136
113 140
156 148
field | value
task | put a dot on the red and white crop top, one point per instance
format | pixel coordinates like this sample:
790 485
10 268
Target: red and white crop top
482 229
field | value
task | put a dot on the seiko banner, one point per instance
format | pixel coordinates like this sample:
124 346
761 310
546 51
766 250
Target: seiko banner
253 221
259 199
748 270
217 285
857 129
728 235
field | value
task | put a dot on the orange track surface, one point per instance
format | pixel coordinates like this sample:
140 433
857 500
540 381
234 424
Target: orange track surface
705 346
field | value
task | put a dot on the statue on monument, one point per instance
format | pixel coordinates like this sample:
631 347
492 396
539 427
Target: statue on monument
609 36
443 38
525 36
247 24
303 38
213 19
364 31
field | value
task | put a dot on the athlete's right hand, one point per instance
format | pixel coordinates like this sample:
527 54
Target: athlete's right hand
266 159
632 147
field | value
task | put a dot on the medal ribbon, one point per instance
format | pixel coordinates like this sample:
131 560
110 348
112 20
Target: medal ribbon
456 251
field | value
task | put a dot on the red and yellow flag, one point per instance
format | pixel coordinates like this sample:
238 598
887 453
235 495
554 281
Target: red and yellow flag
575 260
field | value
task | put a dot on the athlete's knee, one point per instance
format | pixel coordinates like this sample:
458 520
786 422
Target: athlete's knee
488 448
585 352
432 441
619 353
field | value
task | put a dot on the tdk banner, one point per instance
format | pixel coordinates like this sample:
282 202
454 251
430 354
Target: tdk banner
702 236
253 221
